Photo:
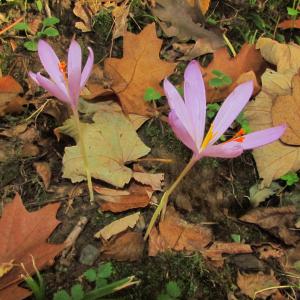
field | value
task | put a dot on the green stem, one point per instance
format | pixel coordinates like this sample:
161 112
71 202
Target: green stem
164 200
83 153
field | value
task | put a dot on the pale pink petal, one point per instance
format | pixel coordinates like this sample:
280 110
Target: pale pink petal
224 150
195 100
33 77
87 68
74 71
51 63
178 106
181 132
262 137
231 108
52 88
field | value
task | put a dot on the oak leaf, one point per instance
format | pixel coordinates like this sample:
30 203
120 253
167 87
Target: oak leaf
111 142
139 69
24 235
247 60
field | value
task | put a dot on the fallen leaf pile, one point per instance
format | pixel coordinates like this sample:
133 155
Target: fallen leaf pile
24 235
277 103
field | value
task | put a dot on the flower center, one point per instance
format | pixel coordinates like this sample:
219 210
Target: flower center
209 136
238 137
63 68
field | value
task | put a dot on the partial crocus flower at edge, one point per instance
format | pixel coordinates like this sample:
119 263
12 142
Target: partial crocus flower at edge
66 80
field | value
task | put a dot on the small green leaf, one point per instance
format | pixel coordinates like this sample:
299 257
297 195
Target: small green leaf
297 265
212 109
77 292
218 73
236 237
90 275
105 270
164 297
21 26
173 289
50 21
39 5
292 11
222 138
100 282
51 31
215 82
30 45
61 295
151 94
180 91
290 178
227 80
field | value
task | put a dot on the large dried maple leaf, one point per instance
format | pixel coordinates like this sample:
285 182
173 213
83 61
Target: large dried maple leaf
247 65
139 69
24 235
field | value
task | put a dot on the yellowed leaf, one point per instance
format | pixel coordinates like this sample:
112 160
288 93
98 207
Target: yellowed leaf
118 226
5 267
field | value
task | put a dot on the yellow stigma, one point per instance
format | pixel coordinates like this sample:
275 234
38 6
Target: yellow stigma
209 136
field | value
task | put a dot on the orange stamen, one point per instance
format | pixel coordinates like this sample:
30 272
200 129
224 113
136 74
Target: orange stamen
238 137
63 68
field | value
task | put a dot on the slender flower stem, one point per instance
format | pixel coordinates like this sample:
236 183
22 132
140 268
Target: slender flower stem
164 200
83 153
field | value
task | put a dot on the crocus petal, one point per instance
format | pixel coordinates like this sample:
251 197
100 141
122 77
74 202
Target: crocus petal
195 100
224 150
262 137
51 63
74 71
231 108
33 77
181 132
87 68
52 88
177 104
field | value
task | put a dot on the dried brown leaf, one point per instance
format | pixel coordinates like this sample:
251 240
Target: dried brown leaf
248 59
24 235
276 220
250 284
129 246
139 69
287 24
44 171
174 233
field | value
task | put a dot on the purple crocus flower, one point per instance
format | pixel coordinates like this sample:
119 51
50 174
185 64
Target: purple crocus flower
67 80
187 118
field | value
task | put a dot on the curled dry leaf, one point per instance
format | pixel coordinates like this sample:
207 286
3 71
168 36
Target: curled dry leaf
250 284
287 24
10 101
44 171
179 19
174 233
139 69
128 246
248 60
215 252
139 196
118 226
286 110
276 159
291 257
269 250
276 220
24 235
120 15
153 180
